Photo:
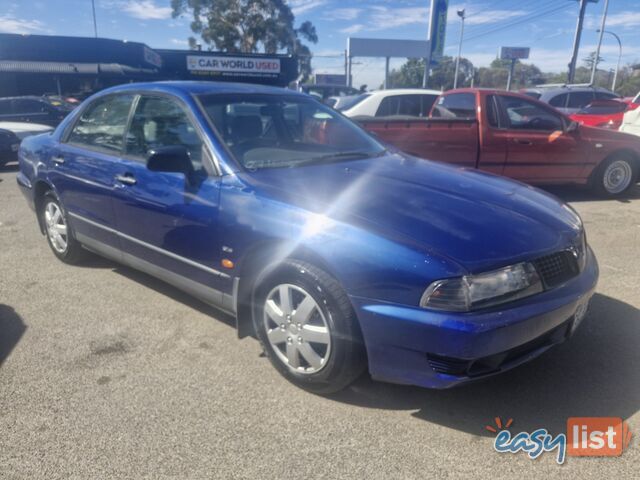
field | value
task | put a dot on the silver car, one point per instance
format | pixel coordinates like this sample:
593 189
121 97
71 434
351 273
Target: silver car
568 99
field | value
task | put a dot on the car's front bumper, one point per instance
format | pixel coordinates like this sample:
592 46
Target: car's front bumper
441 349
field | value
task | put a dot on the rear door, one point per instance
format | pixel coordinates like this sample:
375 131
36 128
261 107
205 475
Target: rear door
84 166
538 148
31 110
169 223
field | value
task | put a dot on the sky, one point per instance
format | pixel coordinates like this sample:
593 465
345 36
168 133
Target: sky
547 26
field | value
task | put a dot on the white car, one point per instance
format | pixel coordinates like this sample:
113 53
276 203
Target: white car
406 102
25 129
631 120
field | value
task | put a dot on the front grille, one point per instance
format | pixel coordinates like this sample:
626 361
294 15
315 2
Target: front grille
557 268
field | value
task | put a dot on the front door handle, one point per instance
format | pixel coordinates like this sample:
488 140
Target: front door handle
127 179
522 141
57 160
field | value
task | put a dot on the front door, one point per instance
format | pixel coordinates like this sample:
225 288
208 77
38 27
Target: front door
539 150
168 221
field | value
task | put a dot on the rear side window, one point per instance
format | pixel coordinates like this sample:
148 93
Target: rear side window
388 106
103 123
161 122
559 101
456 105
580 99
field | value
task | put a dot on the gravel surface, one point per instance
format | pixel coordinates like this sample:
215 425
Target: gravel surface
109 373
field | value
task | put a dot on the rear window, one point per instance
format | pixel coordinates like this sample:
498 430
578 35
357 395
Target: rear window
456 105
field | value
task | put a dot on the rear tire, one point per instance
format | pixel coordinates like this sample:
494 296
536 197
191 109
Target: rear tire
59 235
308 329
615 176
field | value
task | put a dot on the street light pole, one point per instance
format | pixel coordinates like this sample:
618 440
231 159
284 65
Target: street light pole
615 74
455 75
95 23
597 57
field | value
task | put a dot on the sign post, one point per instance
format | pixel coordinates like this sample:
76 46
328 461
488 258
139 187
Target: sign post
513 54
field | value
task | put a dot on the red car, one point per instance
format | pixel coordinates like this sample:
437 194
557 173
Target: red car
603 114
516 136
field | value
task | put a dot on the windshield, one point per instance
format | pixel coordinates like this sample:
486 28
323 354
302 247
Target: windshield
270 131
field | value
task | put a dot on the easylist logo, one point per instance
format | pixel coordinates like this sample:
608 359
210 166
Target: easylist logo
585 437
597 436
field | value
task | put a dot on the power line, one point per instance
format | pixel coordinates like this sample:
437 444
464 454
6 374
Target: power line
515 23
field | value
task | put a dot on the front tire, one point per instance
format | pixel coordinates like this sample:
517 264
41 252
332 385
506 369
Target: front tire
59 235
308 329
615 176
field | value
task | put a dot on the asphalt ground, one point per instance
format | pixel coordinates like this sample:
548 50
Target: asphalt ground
108 373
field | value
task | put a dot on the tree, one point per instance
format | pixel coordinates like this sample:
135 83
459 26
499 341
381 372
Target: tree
411 73
248 26
588 60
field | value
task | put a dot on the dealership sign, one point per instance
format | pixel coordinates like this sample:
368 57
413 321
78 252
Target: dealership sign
514 53
233 65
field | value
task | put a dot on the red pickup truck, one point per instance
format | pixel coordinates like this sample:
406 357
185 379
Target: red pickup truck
516 136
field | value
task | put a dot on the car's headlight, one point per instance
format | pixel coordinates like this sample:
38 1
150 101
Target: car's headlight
471 292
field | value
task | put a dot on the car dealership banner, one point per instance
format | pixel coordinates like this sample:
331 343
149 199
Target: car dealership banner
437 28
225 65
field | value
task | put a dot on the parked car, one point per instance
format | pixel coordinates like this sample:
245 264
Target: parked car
602 113
324 92
516 136
41 110
568 98
11 133
333 251
407 102
631 122
9 144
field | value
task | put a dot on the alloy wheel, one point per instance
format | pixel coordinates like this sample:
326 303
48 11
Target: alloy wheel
56 227
297 329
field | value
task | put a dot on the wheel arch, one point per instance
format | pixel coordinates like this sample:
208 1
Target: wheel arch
256 264
621 152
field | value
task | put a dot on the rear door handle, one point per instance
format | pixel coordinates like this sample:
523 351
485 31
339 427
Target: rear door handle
57 160
523 141
127 179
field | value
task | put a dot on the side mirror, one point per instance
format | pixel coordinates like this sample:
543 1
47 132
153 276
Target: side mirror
573 126
174 159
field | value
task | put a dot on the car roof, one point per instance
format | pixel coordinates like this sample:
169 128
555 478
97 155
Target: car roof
404 91
202 87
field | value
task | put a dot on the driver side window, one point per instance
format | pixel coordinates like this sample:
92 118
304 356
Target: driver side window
161 122
525 115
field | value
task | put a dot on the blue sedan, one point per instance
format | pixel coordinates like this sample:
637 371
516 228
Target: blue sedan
335 252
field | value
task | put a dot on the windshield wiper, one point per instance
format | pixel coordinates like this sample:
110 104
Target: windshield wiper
337 156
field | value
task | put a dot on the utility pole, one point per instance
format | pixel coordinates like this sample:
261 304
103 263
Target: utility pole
576 41
595 60
95 23
455 75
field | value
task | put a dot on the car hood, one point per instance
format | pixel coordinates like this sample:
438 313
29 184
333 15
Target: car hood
476 219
